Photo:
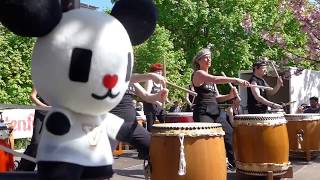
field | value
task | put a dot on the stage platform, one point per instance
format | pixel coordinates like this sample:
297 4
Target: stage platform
129 167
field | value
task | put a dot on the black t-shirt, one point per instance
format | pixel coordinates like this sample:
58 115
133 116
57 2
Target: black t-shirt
206 99
125 109
255 107
153 108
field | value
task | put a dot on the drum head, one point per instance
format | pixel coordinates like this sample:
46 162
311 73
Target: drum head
303 117
188 129
259 119
179 114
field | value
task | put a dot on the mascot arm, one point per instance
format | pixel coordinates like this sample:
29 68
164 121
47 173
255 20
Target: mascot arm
113 124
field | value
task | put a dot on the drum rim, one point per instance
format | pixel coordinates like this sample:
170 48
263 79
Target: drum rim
258 115
303 115
179 114
187 125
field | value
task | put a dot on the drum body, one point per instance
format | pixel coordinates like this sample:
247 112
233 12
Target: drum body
261 144
204 151
304 132
176 117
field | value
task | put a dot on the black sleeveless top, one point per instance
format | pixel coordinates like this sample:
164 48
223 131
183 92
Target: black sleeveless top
255 107
153 108
125 109
206 98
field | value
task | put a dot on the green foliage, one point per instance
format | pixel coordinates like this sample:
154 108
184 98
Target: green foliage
15 68
159 49
196 23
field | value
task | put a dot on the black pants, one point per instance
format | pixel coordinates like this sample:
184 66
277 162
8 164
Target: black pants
68 171
31 149
152 116
200 116
136 135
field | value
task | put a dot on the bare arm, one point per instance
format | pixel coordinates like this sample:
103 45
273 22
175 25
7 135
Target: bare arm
187 99
256 93
276 88
201 77
157 78
232 94
34 99
150 98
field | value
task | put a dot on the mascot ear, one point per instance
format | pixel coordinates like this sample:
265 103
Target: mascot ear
31 18
139 17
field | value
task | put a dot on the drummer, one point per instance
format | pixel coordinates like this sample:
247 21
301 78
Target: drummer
257 98
206 102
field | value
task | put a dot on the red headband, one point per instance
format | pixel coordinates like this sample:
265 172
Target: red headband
156 67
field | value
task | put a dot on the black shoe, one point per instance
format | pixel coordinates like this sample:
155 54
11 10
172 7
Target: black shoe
231 168
147 169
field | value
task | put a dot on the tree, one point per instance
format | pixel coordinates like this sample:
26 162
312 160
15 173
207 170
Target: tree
15 74
159 49
196 23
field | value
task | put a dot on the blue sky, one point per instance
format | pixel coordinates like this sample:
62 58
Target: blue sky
102 4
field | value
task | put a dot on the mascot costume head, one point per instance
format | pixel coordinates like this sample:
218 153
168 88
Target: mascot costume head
81 66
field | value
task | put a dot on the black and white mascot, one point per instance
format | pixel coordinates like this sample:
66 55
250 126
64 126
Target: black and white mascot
81 66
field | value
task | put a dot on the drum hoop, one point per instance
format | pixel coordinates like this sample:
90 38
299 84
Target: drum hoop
188 129
260 123
302 117
174 133
262 168
186 126
173 114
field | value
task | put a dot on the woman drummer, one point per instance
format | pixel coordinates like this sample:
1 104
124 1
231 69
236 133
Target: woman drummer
206 102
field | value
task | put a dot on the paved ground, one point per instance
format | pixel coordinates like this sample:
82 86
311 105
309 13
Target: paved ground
128 167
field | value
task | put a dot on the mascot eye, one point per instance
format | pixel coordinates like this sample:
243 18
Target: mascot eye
80 65
129 67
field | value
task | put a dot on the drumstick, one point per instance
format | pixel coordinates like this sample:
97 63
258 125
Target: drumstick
10 151
183 89
231 86
18 106
261 87
165 77
275 70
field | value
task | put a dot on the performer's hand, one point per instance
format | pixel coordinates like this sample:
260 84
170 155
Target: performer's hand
157 78
276 106
243 83
234 92
280 81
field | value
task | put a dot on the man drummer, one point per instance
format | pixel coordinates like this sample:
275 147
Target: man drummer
257 98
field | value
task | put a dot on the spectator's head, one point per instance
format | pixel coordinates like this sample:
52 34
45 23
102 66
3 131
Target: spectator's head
260 68
314 102
156 68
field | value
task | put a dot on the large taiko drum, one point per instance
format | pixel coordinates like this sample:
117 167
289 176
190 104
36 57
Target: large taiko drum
261 144
176 117
304 132
201 145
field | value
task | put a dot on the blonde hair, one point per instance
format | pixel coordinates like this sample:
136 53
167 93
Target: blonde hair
198 56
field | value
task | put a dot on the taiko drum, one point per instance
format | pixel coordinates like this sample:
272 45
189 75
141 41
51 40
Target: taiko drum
176 117
304 132
204 151
261 144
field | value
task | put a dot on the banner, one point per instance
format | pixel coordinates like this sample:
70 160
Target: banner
21 120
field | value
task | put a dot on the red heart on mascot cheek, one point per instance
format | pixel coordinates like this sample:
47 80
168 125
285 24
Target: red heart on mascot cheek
109 81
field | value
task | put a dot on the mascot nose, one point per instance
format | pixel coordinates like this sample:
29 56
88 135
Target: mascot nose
110 81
